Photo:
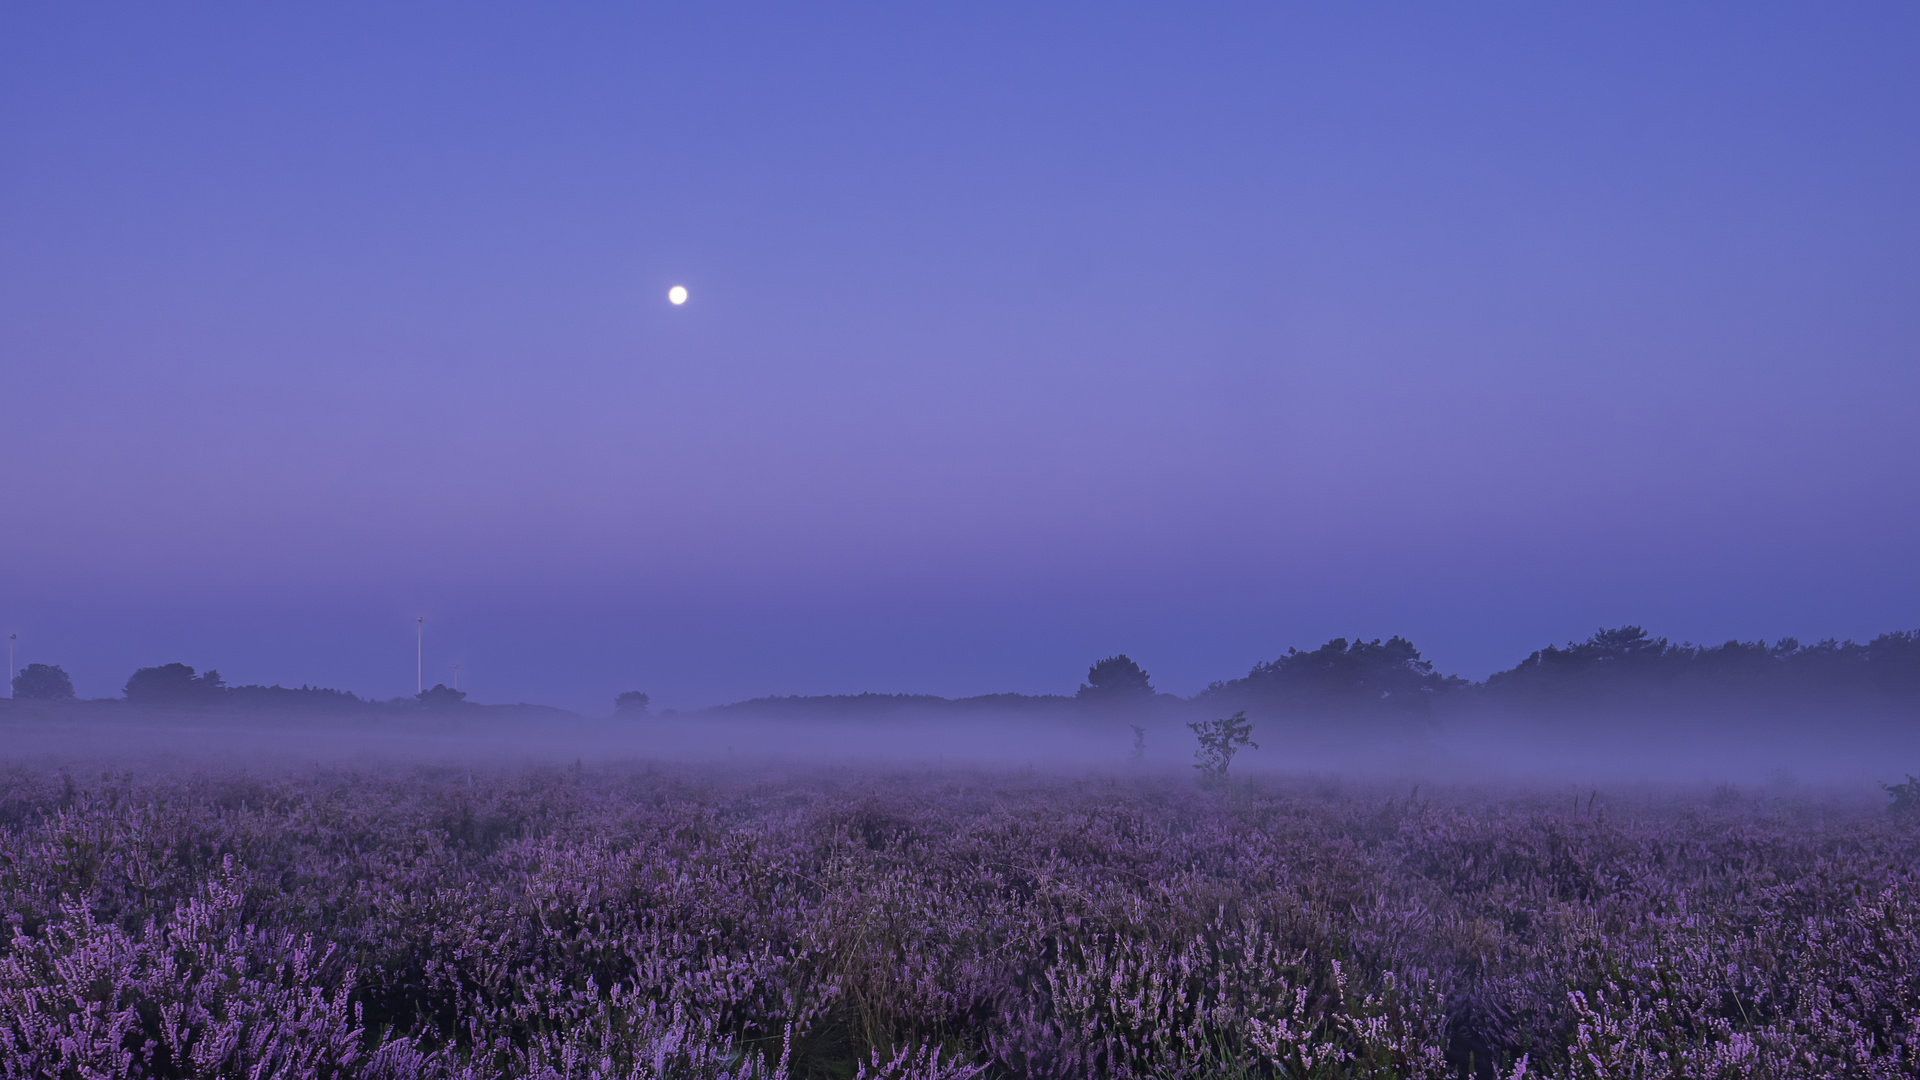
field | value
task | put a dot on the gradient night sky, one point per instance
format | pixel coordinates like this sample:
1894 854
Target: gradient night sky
1018 336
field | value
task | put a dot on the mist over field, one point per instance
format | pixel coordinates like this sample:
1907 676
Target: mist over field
1469 750
1622 706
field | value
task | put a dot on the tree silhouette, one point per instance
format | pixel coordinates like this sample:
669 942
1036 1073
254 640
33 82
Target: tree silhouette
632 703
173 684
1219 741
1115 680
42 682
441 696
1340 677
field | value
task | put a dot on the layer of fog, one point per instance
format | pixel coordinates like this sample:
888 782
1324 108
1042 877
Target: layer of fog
1461 749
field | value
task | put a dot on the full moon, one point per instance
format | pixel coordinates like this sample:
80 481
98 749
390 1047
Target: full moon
677 294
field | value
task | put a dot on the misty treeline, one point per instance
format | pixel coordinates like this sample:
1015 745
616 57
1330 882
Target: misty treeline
180 686
643 925
1615 672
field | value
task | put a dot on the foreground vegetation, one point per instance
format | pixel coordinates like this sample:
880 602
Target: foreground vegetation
637 924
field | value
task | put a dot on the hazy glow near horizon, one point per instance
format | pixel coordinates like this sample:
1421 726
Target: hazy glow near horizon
677 295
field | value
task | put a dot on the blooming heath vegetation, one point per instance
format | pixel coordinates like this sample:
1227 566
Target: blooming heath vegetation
626 923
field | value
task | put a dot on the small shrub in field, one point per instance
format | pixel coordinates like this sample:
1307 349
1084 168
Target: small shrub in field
1906 796
1220 740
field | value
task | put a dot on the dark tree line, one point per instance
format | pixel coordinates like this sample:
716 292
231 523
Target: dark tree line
179 686
1614 671
1626 667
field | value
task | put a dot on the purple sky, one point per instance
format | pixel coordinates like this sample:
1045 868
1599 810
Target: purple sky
1018 336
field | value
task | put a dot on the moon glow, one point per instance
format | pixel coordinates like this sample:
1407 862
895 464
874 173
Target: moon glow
677 295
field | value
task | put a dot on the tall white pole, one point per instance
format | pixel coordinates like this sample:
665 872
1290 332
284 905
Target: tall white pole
11 638
419 655
456 676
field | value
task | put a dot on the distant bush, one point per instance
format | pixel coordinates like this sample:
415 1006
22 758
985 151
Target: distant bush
42 682
632 703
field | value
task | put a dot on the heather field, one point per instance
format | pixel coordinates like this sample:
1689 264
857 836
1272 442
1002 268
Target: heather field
631 922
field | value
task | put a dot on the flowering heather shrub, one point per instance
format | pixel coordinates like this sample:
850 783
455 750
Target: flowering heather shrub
941 927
